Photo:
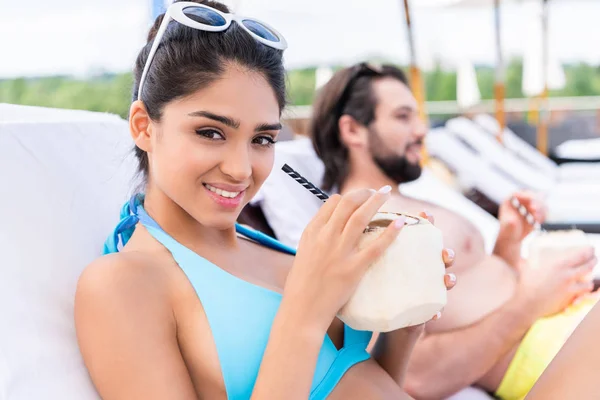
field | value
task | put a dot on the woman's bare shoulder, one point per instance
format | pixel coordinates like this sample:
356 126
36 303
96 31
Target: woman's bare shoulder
128 276
126 327
118 268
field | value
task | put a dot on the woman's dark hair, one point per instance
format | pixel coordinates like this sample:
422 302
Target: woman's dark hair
190 59
349 92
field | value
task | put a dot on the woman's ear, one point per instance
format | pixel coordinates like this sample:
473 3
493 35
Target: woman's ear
352 133
140 126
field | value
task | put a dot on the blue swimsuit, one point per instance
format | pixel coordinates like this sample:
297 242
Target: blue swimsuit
232 304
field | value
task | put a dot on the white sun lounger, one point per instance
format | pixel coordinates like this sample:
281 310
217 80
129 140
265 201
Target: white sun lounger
569 171
571 202
518 169
588 149
65 175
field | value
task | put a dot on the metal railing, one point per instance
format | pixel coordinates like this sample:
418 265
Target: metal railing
591 104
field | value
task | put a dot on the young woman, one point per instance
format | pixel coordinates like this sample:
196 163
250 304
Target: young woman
194 306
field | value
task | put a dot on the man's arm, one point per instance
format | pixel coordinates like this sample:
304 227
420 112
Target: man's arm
444 363
508 250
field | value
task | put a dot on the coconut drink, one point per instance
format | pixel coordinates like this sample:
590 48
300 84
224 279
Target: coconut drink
405 286
553 246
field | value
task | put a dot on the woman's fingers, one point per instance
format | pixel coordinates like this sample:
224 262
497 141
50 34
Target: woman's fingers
326 210
346 207
449 281
448 257
361 217
376 248
427 216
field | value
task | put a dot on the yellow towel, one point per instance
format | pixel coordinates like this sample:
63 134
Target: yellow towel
539 346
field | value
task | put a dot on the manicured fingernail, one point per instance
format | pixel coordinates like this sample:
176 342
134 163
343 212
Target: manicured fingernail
385 190
399 223
450 253
452 278
438 315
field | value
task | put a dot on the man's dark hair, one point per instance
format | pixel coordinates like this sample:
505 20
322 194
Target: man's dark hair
349 92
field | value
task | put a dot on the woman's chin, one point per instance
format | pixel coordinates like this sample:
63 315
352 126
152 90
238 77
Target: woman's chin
220 221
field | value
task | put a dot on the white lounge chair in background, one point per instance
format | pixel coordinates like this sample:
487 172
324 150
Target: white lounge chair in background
472 171
517 168
585 149
569 202
564 172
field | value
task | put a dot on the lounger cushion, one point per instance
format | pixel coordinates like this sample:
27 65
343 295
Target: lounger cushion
64 176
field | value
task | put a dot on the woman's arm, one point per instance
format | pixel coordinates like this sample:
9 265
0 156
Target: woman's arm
127 333
575 371
128 337
326 271
392 351
291 356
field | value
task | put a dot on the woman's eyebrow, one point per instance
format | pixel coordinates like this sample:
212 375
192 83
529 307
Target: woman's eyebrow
230 122
268 127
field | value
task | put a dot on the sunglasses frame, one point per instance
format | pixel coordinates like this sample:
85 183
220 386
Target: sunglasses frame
176 12
358 71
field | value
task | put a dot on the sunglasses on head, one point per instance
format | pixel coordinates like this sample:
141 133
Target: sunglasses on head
205 18
358 71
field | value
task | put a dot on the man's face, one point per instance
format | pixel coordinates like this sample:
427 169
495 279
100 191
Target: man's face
397 133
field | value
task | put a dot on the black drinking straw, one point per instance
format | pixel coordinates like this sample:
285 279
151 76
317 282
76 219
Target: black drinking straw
318 192
304 182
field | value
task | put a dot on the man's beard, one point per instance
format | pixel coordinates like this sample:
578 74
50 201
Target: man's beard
396 167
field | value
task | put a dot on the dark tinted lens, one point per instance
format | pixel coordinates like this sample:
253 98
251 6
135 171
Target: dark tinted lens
205 16
260 30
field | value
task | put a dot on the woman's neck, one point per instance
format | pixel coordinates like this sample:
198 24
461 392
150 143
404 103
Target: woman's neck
182 227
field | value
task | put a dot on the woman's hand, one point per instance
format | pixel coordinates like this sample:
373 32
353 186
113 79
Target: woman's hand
328 265
392 350
326 271
449 278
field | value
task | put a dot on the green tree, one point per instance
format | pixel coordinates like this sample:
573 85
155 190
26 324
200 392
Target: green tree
440 84
301 86
514 79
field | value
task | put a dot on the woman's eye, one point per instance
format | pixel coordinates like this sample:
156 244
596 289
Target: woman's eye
264 141
210 134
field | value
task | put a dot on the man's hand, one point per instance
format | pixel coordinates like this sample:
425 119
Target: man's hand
551 288
514 227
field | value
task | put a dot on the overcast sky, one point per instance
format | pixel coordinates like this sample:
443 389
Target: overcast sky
44 37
